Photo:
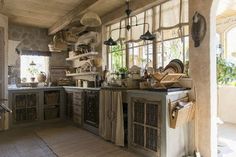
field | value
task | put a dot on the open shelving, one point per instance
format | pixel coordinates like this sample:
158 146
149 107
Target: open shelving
82 74
88 55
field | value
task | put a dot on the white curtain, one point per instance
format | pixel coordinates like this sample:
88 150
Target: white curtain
111 123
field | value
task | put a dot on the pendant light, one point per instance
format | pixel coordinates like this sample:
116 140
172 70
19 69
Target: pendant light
110 42
128 18
32 63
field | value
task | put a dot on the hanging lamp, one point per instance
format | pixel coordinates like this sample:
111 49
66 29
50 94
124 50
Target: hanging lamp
146 36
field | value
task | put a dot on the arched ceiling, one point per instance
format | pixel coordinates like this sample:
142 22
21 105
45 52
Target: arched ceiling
226 8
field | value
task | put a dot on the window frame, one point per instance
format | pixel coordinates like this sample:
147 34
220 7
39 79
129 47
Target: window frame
154 43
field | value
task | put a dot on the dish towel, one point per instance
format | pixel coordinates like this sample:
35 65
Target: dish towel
111 123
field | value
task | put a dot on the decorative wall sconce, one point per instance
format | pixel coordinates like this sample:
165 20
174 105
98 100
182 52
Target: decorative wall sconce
198 29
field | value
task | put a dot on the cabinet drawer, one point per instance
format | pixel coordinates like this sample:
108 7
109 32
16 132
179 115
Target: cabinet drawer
77 109
77 119
78 102
78 95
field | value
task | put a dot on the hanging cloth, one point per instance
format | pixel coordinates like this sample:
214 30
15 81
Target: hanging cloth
111 123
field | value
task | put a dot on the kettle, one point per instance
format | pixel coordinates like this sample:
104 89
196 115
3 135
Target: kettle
41 77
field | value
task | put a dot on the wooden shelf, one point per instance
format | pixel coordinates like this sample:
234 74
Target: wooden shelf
82 74
89 76
23 108
89 54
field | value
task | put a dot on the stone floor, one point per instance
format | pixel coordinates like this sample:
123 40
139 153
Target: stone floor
227 140
57 140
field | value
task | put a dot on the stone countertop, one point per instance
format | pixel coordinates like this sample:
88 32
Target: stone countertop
143 91
34 88
82 88
93 88
50 88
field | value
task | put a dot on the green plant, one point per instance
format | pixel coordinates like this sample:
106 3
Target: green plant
123 70
226 72
33 70
117 56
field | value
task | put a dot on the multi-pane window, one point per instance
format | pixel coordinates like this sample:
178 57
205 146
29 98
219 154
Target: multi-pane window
141 54
28 71
117 57
231 46
168 21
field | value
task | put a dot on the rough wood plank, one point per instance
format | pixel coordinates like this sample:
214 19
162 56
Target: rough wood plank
61 23
31 11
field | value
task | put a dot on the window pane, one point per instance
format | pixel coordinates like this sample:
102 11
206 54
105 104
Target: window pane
231 46
173 49
28 71
159 55
117 57
186 49
141 55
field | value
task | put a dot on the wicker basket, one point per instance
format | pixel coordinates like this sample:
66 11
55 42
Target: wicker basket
179 117
51 113
52 98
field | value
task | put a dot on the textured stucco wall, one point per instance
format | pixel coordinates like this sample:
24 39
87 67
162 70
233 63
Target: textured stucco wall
30 38
203 72
3 85
226 104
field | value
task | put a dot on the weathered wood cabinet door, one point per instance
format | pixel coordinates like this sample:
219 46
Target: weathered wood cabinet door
91 114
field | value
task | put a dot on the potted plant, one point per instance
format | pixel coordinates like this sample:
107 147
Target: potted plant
123 71
226 72
33 71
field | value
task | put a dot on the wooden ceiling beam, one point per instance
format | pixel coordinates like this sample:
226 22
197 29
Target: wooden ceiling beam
63 22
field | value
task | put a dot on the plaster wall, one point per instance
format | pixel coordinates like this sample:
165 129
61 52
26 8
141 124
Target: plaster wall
203 73
30 38
226 105
4 24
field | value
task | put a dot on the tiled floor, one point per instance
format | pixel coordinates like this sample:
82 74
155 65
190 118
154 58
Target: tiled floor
227 140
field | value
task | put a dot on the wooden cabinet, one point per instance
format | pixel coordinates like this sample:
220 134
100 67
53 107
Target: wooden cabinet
69 105
51 105
75 105
146 118
148 125
25 107
31 105
85 107
91 107
78 107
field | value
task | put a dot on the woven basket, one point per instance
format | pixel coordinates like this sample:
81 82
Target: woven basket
91 19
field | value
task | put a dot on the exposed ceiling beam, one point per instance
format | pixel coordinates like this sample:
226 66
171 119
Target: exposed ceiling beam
136 5
80 9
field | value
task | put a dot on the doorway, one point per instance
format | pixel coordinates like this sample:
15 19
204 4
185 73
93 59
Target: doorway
226 77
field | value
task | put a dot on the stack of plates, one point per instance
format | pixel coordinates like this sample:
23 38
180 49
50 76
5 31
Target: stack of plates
175 66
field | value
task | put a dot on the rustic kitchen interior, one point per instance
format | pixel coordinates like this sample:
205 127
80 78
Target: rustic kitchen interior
86 78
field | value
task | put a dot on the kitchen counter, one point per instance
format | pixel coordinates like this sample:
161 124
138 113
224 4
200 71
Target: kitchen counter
34 88
96 88
82 88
